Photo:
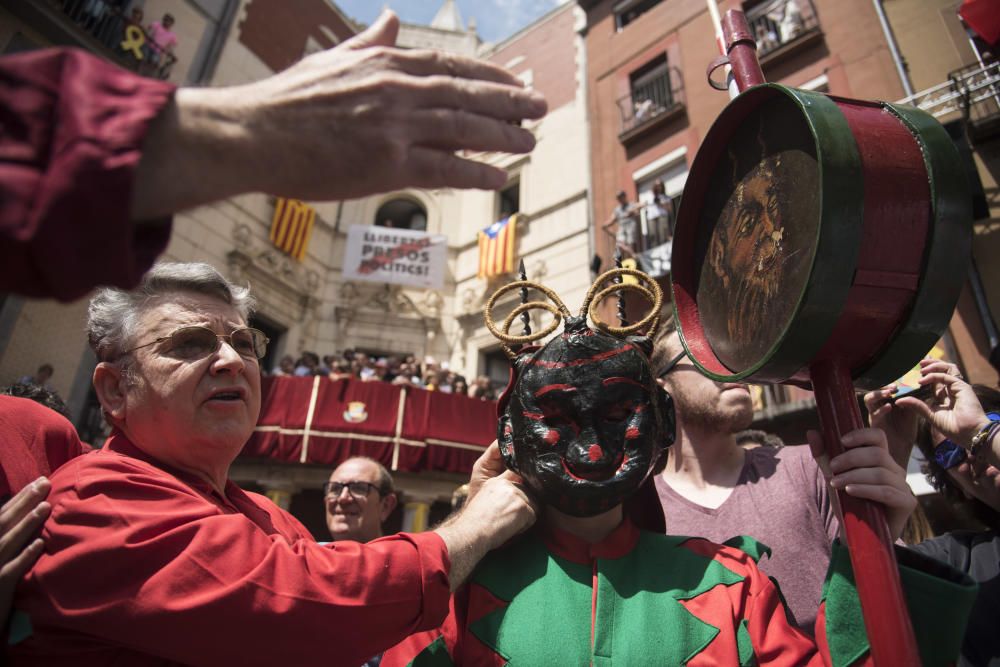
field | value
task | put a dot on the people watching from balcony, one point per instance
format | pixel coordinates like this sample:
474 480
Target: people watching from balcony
340 370
152 150
944 428
307 365
483 389
285 367
625 219
353 364
162 40
358 498
713 488
154 544
660 213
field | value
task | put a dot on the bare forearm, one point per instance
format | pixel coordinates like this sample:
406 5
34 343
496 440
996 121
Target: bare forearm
195 152
465 549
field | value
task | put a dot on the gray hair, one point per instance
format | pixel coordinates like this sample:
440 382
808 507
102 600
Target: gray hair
114 313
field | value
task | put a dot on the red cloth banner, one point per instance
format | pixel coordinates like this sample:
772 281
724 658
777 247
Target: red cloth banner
314 420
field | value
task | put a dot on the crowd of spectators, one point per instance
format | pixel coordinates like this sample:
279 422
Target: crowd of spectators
400 370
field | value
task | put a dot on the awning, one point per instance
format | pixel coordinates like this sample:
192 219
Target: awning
983 16
314 420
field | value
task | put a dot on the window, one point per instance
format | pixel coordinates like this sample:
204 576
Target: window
402 214
650 87
629 10
509 200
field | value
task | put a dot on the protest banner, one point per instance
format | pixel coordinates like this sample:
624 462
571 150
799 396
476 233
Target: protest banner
398 256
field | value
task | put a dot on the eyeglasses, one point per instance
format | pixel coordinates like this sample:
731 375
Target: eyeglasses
197 342
949 455
358 490
672 363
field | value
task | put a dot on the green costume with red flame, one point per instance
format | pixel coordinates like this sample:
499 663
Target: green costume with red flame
642 598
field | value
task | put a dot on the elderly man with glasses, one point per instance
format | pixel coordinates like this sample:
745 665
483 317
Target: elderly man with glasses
153 556
359 498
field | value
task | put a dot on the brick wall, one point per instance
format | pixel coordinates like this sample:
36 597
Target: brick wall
276 31
548 49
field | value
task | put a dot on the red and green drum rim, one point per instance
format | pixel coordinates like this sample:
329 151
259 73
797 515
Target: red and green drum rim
835 255
948 248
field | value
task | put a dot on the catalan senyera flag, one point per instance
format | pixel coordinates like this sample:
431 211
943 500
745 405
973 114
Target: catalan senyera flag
496 248
292 226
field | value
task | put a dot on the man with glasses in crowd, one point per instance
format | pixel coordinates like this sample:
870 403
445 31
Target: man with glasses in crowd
359 498
713 488
153 556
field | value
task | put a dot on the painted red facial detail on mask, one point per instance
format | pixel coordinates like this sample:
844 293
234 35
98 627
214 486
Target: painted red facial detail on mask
552 437
631 433
600 356
594 452
607 382
554 387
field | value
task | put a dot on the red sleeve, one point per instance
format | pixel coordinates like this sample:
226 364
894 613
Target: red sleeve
776 642
72 131
762 633
36 441
137 560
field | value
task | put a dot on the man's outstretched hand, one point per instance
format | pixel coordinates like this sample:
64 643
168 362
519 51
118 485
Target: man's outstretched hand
360 118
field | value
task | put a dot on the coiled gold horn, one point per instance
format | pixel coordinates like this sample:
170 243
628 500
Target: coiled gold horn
650 323
556 307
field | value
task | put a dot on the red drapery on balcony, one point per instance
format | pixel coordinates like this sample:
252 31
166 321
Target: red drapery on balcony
314 420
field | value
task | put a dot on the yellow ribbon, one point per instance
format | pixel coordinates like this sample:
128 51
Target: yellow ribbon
134 39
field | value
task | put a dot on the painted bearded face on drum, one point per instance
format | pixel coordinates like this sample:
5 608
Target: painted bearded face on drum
760 214
583 419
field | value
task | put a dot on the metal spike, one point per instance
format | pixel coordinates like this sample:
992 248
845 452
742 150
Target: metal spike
525 318
620 293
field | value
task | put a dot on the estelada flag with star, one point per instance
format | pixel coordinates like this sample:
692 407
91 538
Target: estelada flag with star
496 248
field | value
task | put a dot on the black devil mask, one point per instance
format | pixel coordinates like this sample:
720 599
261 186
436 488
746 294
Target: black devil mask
583 420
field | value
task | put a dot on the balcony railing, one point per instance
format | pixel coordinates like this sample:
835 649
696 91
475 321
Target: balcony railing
654 100
124 40
971 93
650 242
779 23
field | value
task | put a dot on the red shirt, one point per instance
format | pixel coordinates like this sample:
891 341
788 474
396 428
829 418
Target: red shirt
145 565
72 132
36 441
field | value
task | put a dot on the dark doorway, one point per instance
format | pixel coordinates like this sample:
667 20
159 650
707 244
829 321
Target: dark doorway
275 332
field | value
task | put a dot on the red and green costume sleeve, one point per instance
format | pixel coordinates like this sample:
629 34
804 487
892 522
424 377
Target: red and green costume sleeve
635 598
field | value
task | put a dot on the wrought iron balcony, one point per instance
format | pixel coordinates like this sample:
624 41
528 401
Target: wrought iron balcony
651 240
971 93
99 26
780 25
652 102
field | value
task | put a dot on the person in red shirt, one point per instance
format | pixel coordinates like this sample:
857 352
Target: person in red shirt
94 159
153 556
